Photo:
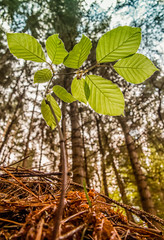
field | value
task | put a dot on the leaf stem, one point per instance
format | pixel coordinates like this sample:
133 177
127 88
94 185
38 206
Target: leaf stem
50 65
53 73
71 73
60 209
92 67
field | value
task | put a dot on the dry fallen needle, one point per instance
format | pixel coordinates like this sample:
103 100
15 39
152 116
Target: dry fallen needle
28 203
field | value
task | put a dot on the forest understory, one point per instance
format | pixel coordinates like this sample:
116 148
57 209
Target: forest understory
28 203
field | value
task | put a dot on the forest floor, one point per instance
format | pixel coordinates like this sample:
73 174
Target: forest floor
28 203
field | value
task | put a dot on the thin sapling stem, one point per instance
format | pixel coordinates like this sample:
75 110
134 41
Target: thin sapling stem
60 209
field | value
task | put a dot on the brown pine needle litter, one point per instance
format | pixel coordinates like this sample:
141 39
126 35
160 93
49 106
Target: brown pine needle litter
28 203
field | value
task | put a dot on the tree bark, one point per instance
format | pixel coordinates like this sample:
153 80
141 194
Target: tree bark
77 145
145 195
122 189
41 147
10 124
24 163
103 164
85 154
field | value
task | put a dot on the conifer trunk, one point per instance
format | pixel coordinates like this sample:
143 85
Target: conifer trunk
85 154
77 145
10 124
122 189
145 195
103 164
24 163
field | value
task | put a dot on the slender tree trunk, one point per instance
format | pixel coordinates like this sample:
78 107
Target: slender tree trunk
9 127
77 145
24 163
121 188
145 195
103 164
85 154
118 177
41 147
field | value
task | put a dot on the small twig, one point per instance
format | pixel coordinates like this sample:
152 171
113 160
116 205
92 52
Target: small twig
17 161
48 85
73 216
113 237
31 174
150 223
71 73
40 229
83 233
96 65
53 74
142 229
10 221
110 205
127 233
71 233
24 186
42 210
92 67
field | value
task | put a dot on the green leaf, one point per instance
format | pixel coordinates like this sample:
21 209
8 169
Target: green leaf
25 46
46 111
63 94
118 43
105 97
55 49
42 76
135 69
79 54
78 87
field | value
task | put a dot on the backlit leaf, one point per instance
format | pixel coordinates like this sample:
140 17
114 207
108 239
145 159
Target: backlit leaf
105 97
25 46
135 69
78 90
118 43
63 94
42 76
79 53
46 111
55 49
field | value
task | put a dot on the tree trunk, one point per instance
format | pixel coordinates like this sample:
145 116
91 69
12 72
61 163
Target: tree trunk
77 145
24 163
85 154
103 165
141 181
41 147
121 188
118 177
10 125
